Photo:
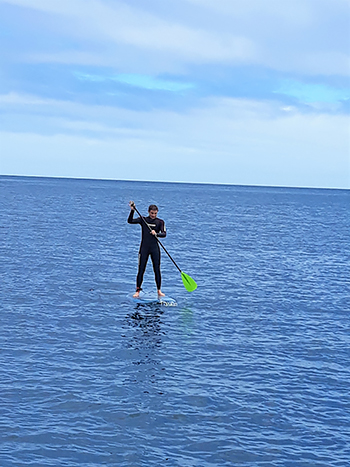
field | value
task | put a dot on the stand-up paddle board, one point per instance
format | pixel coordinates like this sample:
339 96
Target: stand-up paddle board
145 299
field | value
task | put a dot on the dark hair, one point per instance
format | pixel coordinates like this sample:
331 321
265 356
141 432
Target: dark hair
153 207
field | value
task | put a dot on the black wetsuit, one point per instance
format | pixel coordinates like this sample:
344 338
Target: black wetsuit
149 246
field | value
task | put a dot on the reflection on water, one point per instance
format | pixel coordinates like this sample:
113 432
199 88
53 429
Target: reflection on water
144 342
147 319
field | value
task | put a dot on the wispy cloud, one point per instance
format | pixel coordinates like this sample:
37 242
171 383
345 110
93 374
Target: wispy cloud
287 36
132 26
137 80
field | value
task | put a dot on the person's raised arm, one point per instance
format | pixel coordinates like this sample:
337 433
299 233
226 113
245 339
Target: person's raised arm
131 219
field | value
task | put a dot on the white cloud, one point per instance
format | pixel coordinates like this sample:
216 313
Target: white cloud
286 36
298 12
122 24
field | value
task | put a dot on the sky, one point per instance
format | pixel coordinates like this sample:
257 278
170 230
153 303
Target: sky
245 92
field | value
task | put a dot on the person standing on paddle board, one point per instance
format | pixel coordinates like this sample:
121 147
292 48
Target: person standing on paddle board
149 245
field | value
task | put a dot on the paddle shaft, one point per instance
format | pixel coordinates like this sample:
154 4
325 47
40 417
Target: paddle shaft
160 243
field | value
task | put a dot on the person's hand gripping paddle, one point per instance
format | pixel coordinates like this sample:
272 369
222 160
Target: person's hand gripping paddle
189 283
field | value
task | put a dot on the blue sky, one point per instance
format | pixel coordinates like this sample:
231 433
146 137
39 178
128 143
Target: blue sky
249 92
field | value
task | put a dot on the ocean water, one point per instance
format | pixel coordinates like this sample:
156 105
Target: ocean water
251 369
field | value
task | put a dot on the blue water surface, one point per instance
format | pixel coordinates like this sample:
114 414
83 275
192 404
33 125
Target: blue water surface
252 369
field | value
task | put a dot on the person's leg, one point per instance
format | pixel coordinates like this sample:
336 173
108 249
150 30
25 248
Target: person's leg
155 256
143 258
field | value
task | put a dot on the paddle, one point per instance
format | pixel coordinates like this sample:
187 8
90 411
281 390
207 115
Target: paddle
189 283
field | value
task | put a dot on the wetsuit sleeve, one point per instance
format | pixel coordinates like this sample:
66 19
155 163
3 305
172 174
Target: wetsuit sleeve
131 219
162 230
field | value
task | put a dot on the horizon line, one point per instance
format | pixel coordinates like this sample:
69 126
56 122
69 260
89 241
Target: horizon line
59 177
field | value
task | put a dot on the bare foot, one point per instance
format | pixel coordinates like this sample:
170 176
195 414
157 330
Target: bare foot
161 294
136 295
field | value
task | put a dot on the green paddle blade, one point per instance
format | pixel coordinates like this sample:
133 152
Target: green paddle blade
189 283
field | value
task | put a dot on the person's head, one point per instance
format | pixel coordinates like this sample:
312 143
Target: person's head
153 211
